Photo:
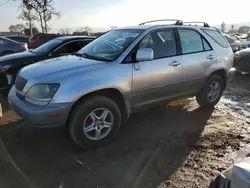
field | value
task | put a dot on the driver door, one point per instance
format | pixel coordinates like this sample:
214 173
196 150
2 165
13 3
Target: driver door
159 79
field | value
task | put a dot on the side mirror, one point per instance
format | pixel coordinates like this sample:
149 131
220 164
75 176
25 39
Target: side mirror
144 54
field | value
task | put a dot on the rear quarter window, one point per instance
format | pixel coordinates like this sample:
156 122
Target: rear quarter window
217 37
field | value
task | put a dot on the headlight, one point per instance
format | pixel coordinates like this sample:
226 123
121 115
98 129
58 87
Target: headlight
41 94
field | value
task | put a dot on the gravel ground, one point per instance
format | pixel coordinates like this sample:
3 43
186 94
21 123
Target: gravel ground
160 147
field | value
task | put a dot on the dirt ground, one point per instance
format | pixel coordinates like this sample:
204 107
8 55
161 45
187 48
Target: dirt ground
160 147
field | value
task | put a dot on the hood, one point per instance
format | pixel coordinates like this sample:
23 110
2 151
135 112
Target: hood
12 58
61 67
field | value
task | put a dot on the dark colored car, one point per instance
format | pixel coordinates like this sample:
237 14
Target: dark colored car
8 46
235 44
11 64
242 61
19 38
39 39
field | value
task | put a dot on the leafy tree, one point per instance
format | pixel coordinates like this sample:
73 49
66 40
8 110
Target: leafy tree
34 31
244 29
18 28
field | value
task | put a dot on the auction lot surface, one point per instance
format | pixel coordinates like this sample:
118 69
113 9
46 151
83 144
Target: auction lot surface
160 147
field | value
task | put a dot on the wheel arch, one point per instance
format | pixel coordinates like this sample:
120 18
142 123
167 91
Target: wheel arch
222 73
112 93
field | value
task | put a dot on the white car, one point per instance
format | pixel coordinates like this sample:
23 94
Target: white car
246 43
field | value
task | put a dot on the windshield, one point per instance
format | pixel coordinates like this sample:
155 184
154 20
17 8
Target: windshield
111 45
47 47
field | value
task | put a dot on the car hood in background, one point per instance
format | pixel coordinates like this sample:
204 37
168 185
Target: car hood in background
15 58
59 67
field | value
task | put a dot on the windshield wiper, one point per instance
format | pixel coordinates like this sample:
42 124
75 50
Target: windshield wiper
85 55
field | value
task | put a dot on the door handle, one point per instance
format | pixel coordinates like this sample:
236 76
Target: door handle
210 57
174 63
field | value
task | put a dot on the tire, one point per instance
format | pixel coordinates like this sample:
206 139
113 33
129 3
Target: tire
204 98
81 121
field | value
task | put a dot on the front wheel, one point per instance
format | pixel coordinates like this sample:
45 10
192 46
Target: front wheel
212 92
95 121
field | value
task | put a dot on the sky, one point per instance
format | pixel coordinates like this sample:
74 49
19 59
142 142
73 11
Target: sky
102 14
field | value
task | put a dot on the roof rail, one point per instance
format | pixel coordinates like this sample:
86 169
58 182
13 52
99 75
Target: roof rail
204 23
177 22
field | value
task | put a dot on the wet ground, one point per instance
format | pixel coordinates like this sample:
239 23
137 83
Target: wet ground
160 147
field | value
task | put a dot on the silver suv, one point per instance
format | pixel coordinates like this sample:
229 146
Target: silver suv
93 91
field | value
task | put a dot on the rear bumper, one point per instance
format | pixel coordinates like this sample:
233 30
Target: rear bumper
51 115
231 74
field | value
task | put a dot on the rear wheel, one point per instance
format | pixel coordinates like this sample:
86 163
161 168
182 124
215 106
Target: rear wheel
212 92
95 121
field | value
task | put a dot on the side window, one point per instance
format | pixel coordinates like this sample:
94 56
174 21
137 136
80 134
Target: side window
206 45
217 37
69 48
163 43
191 41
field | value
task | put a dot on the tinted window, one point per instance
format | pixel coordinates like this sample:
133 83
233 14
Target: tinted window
191 41
72 47
206 45
2 41
217 37
47 47
163 43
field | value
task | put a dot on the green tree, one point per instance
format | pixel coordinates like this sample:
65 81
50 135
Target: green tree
29 16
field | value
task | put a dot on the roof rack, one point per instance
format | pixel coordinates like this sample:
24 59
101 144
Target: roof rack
204 23
177 22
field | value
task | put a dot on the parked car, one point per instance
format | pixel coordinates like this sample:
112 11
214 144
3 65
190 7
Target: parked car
242 61
10 65
19 38
234 43
8 46
41 38
96 89
246 43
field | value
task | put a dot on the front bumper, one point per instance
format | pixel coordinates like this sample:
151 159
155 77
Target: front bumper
51 115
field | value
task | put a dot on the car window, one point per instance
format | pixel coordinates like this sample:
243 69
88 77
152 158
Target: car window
206 46
71 47
47 47
217 37
163 43
191 41
109 46
229 39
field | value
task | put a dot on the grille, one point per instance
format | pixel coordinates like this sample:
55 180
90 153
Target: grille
20 83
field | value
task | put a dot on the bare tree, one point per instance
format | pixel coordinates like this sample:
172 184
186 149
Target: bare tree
29 16
64 31
114 27
44 10
223 27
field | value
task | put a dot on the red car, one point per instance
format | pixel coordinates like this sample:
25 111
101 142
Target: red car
39 39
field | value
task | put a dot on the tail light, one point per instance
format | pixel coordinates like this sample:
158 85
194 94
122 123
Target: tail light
25 46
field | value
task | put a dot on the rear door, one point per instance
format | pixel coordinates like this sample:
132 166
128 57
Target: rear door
197 56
